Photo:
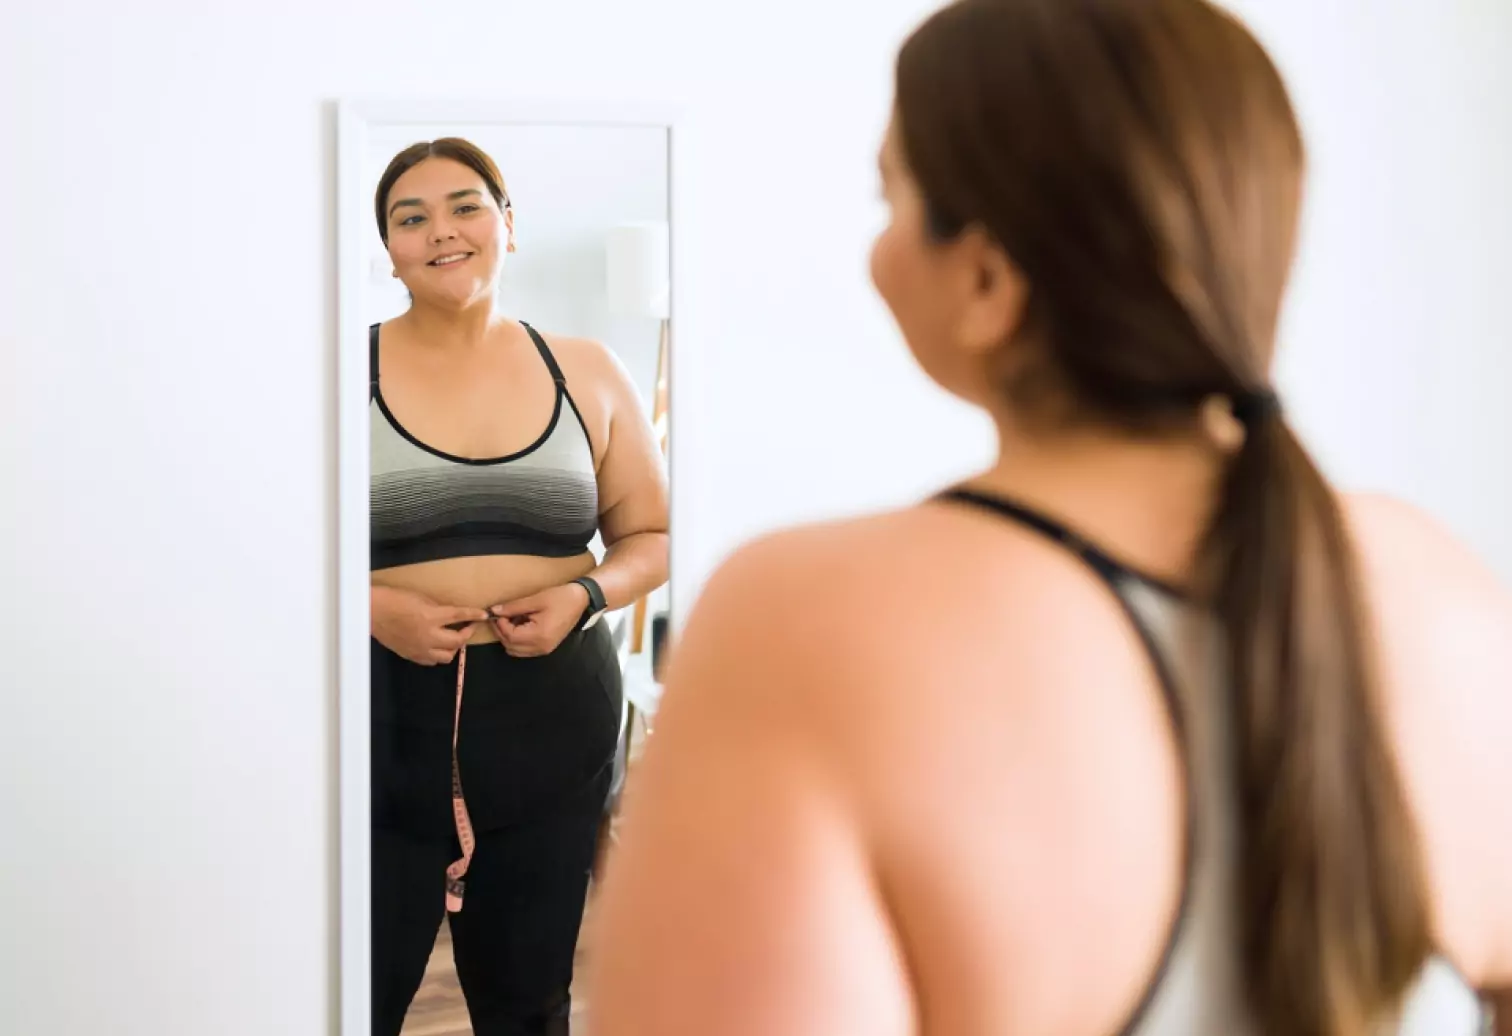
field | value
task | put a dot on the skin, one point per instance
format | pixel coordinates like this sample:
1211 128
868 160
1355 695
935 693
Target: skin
468 381
898 757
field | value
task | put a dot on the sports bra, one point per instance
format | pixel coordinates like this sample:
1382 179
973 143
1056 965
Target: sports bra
1197 990
427 505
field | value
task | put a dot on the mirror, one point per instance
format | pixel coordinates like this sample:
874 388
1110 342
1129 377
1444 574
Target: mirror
506 289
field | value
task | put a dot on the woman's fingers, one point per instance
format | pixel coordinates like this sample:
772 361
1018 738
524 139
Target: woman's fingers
453 616
520 642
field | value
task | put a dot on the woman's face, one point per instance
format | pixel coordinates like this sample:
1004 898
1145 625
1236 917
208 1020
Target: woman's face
957 302
446 234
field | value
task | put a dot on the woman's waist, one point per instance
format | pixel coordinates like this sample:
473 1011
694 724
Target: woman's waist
484 581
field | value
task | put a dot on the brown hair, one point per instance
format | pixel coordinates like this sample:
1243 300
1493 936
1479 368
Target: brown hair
454 148
1141 163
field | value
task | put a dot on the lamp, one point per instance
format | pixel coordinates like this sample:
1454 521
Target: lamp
639 284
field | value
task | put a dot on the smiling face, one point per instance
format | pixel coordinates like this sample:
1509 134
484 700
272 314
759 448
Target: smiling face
446 234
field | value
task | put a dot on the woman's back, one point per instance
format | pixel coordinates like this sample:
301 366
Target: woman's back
973 816
1052 777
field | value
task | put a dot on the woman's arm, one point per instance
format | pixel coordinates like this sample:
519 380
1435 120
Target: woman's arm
632 486
741 899
632 490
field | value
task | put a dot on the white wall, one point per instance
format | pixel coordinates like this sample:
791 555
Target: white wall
1397 354
167 328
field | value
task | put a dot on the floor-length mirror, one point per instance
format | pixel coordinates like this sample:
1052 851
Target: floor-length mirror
506 308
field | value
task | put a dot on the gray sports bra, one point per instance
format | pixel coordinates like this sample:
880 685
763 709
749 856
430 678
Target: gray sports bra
428 505
1196 991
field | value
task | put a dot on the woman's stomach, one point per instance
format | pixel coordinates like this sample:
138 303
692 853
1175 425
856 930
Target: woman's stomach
481 582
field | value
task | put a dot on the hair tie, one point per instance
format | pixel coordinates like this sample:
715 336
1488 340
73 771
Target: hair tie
1255 407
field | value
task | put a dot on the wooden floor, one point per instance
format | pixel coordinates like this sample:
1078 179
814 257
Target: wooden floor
439 1010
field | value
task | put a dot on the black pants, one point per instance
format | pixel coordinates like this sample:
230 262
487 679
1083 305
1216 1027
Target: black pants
536 747
516 935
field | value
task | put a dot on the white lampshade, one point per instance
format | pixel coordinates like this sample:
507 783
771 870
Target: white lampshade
639 271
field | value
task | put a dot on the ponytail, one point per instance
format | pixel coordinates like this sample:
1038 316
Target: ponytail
1334 917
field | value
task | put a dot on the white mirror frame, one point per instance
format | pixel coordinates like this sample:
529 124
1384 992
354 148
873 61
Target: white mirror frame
354 120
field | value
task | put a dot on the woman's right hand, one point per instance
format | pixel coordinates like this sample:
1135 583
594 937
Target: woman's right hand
413 626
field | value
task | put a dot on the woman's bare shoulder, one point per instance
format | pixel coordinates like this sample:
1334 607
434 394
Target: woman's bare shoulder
929 564
1444 630
1405 545
600 385
861 613
583 358
1444 615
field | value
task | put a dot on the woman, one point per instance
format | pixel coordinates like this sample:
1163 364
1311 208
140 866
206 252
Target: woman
497 453
985 765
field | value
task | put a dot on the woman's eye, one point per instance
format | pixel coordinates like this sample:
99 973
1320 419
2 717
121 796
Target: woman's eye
463 210
410 221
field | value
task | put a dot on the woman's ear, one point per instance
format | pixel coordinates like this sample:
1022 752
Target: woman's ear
996 297
509 234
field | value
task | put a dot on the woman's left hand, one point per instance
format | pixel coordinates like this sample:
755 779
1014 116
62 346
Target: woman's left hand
537 625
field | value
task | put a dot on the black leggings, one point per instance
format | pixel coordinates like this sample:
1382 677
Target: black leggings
514 939
536 750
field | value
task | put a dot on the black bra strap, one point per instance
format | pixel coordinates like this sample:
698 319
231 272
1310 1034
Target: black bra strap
372 361
1111 571
545 351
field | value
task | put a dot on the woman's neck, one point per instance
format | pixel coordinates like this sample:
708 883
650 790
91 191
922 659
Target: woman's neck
1146 502
452 327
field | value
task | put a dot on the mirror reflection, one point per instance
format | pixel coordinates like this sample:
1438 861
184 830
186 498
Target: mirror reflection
518 307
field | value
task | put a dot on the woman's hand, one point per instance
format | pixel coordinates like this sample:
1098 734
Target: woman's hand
415 627
537 625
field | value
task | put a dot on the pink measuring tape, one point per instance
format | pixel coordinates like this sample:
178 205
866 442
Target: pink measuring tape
455 885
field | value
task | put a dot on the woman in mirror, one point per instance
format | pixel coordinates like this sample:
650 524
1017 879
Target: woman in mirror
498 451
1144 730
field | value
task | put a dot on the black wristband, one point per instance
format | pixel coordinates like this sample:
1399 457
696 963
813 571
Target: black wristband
597 604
